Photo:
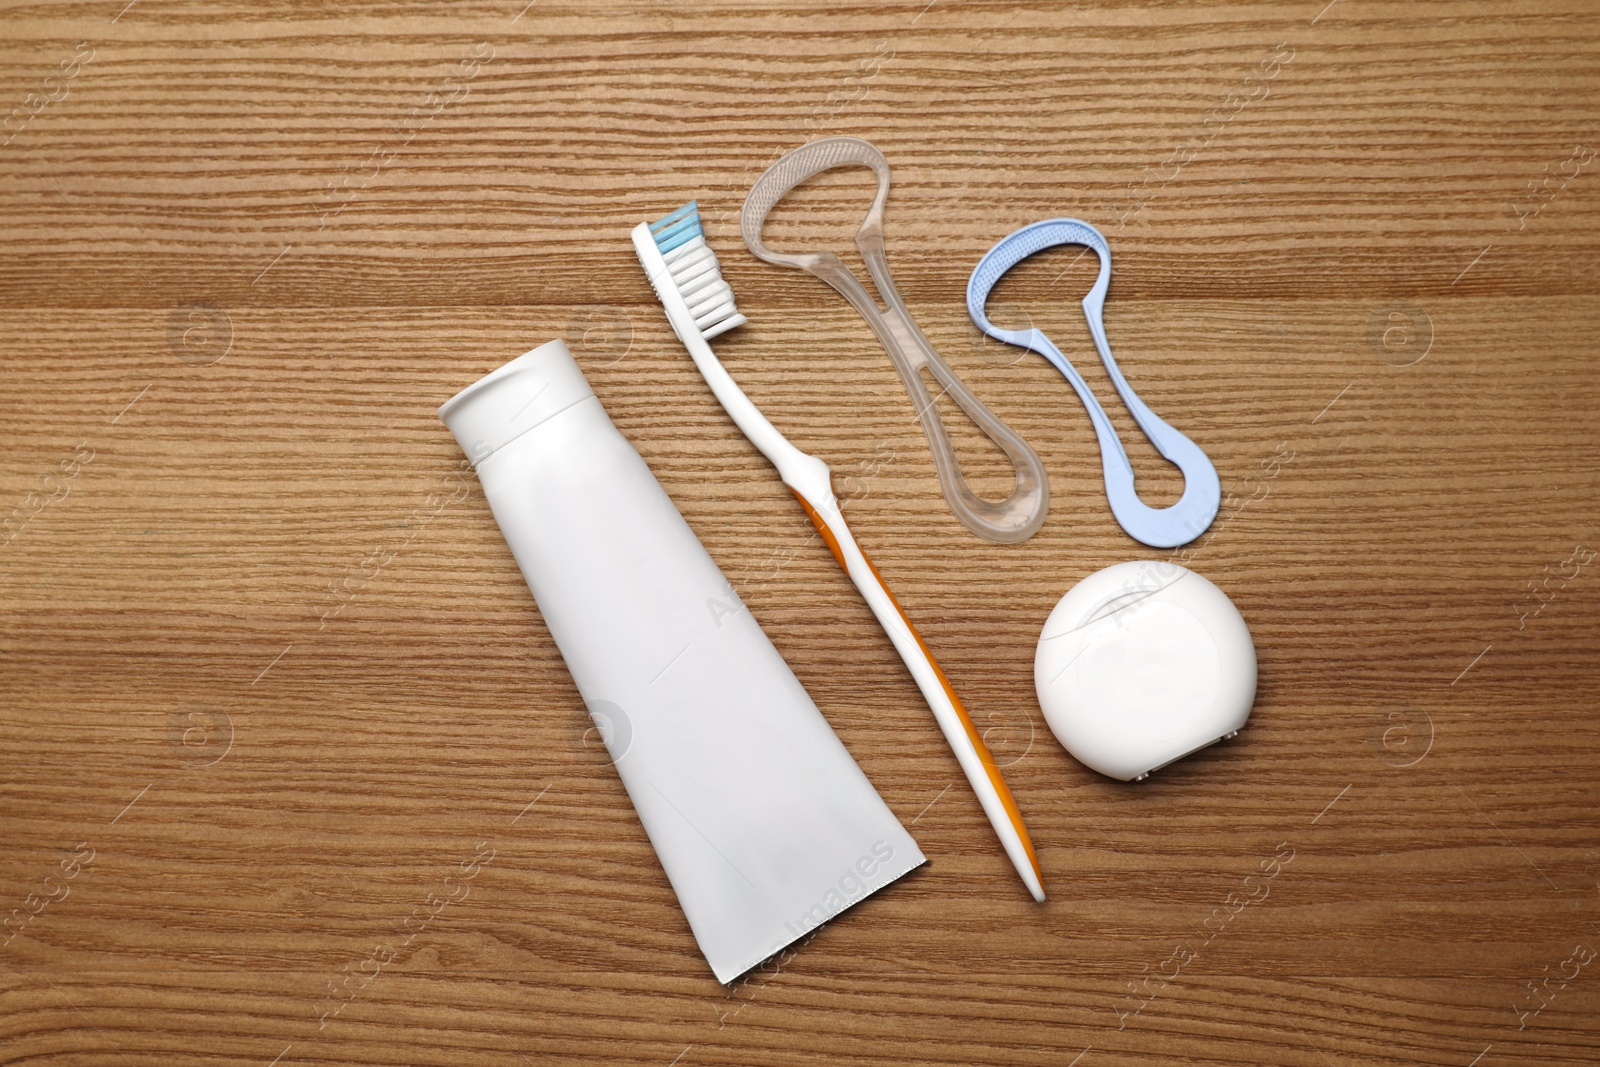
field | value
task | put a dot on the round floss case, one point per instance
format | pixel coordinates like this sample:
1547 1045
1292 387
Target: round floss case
1141 664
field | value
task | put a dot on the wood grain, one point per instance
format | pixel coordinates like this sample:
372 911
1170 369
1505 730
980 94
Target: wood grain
247 252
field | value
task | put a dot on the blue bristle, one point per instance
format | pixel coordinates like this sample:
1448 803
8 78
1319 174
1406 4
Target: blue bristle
678 228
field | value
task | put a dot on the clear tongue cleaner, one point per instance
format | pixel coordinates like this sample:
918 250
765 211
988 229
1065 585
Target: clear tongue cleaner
1015 518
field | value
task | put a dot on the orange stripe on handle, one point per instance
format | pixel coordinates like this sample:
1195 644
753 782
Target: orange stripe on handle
984 755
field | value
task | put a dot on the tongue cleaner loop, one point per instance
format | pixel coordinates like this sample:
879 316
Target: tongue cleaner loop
1166 527
1022 513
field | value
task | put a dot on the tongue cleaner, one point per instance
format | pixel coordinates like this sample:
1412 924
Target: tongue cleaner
1022 513
1166 527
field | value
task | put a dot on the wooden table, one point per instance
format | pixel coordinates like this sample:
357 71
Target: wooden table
269 673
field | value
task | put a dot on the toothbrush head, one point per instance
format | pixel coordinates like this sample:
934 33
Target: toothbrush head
692 270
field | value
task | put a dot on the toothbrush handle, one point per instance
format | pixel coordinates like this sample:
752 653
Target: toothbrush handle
974 756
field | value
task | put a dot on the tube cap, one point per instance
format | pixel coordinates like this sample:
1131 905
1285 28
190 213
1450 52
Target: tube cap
505 404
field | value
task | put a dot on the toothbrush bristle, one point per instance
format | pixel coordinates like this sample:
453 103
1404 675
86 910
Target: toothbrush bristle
694 271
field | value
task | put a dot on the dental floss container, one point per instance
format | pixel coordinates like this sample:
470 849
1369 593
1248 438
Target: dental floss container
1141 664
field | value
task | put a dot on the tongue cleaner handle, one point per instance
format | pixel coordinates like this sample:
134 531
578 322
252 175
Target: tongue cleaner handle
1166 527
1015 518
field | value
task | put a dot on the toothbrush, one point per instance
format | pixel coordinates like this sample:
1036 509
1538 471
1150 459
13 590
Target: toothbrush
700 306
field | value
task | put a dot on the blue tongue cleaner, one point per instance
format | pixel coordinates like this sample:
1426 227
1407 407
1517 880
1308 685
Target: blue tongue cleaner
1166 527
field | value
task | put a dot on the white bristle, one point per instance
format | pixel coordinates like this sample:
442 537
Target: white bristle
715 315
693 257
693 261
691 287
698 278
705 299
692 275
684 249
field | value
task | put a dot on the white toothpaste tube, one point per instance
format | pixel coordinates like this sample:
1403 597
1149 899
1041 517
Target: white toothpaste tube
765 825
